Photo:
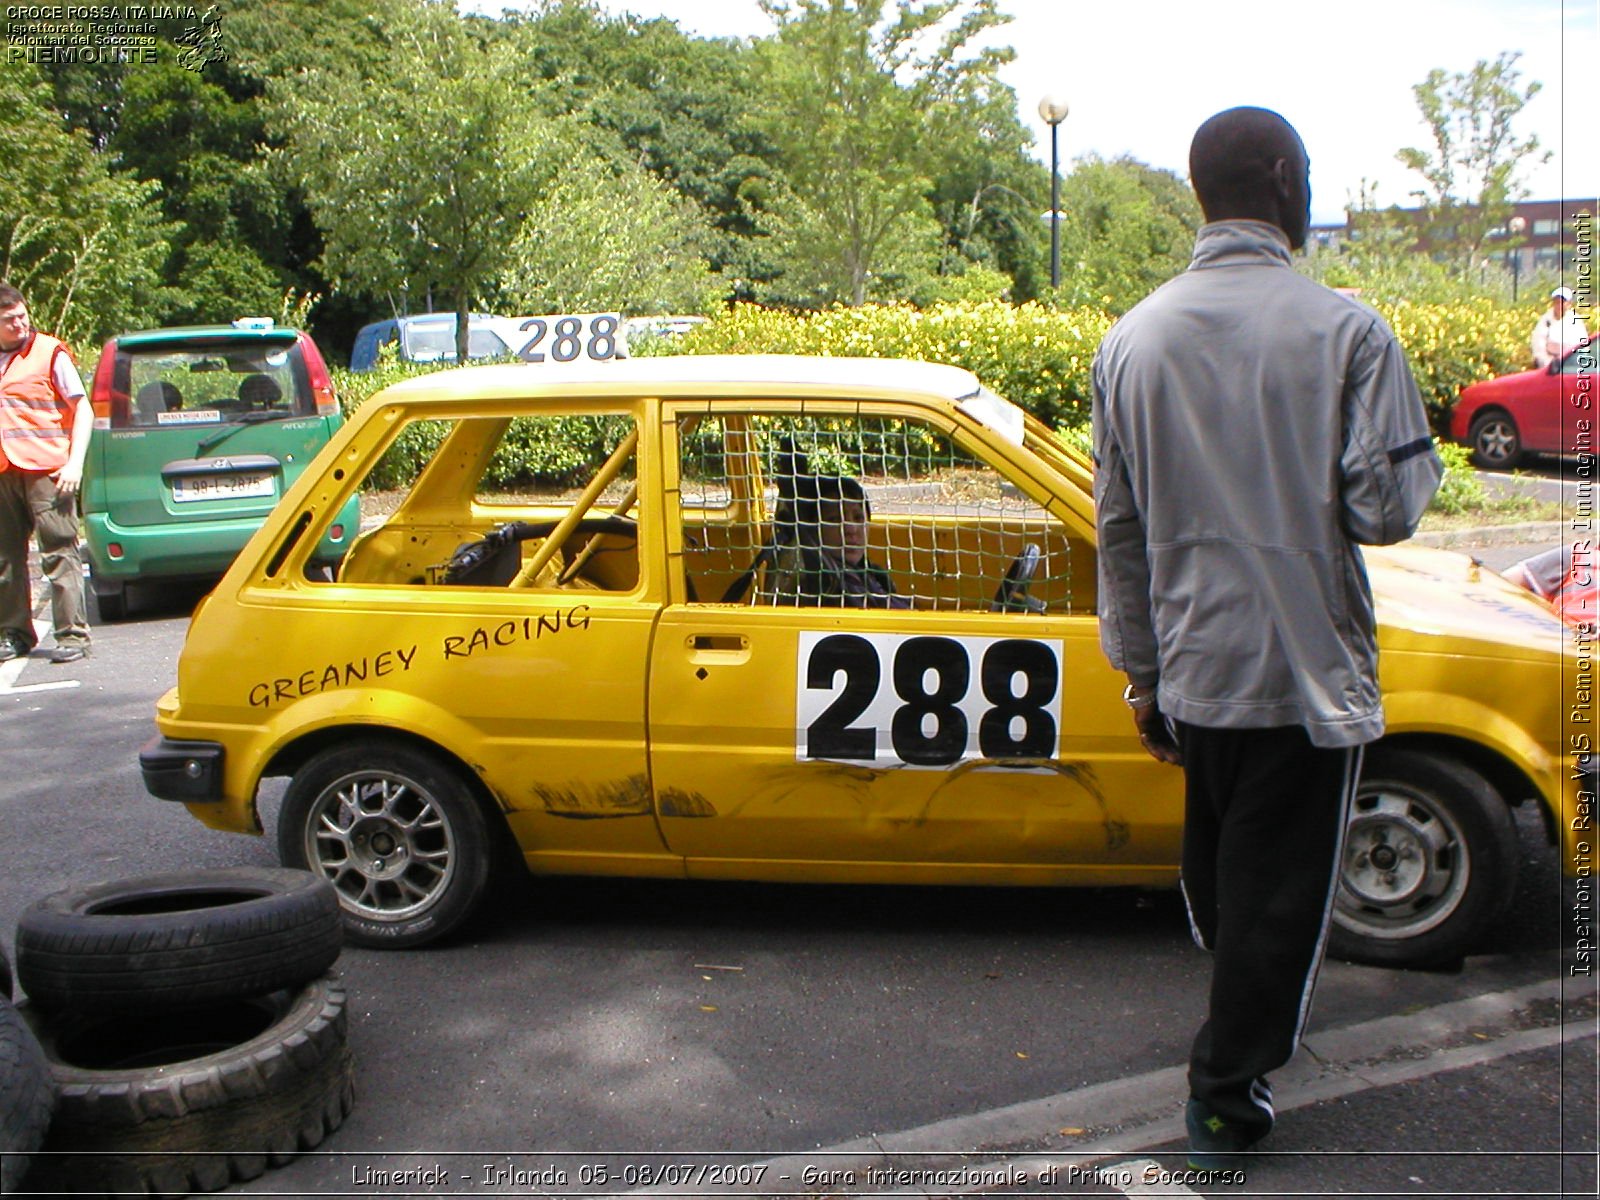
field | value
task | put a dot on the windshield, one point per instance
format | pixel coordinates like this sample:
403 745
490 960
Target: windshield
172 386
435 340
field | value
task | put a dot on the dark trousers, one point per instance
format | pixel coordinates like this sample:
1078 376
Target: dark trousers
30 504
1264 822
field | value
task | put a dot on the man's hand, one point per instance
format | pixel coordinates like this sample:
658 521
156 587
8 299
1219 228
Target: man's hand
1156 737
67 481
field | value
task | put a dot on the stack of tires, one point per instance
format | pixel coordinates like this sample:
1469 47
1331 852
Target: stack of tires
185 1029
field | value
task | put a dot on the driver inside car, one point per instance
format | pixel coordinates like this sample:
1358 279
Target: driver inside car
821 556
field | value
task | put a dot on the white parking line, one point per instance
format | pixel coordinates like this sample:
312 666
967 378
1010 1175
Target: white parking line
12 671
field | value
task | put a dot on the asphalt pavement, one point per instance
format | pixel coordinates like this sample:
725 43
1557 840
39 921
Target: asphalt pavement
1491 1095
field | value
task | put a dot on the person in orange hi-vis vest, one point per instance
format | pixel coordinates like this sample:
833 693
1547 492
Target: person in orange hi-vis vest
45 425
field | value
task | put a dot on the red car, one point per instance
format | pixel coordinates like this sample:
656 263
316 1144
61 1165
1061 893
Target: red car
1551 410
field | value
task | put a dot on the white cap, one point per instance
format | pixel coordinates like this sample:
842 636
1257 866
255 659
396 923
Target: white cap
1562 293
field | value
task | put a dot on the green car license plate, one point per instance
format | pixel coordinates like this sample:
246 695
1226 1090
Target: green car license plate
221 487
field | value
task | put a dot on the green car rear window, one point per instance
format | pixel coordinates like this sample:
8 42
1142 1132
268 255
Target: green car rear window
173 386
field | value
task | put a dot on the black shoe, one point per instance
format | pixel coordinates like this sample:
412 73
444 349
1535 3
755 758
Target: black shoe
13 645
1214 1144
71 652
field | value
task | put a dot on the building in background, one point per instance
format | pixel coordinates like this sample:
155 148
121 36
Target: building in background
1539 239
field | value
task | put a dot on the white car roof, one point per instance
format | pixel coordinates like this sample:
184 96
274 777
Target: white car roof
678 373
774 376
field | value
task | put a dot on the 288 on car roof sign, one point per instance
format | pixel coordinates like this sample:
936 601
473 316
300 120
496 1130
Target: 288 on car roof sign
593 336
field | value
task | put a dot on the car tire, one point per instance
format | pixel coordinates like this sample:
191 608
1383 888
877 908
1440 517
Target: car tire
111 599
1429 863
1495 440
397 831
5 976
183 938
27 1097
191 1099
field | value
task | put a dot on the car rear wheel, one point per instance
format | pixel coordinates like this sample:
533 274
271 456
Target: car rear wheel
1430 862
1495 440
399 834
110 598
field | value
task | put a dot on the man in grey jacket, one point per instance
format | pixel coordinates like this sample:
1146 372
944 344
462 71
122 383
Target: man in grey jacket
1251 428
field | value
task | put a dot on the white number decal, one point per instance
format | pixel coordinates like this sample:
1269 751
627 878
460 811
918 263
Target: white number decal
899 700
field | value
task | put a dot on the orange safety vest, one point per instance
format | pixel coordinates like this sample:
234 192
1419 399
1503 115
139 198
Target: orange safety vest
35 422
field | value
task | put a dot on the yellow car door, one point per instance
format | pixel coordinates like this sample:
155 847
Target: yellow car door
927 737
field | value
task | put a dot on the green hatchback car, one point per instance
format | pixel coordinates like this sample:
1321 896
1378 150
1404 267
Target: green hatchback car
198 431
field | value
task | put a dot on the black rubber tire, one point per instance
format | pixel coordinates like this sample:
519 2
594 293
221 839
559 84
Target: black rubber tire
192 1099
184 938
1430 862
110 598
1495 440
398 832
27 1096
5 976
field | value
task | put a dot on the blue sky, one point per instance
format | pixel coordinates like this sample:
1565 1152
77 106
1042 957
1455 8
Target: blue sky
1139 78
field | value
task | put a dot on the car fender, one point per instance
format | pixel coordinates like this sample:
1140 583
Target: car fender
304 725
1563 788
1443 714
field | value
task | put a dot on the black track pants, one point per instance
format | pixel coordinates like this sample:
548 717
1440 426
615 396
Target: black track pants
1263 828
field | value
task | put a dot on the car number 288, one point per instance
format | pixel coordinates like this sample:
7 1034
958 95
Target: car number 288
893 700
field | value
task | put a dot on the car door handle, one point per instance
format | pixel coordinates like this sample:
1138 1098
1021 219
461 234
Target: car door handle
717 650
720 642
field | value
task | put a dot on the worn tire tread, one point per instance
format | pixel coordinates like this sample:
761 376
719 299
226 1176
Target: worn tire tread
27 1097
70 957
160 1129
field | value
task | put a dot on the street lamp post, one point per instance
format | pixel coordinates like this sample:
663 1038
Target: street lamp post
1516 225
1054 111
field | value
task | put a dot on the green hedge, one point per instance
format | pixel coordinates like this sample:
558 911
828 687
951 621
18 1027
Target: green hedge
1452 345
1036 356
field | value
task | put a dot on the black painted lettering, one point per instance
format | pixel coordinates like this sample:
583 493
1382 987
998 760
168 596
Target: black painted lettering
260 695
505 633
383 664
308 683
552 623
452 648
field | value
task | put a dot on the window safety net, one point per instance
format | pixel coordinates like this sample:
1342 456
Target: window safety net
851 511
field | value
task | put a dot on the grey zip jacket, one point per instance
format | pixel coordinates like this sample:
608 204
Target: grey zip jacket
1251 427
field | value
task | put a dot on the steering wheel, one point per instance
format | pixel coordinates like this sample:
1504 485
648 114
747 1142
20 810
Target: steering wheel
621 526
1012 594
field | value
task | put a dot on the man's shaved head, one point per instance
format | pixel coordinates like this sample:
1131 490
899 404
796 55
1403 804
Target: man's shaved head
1250 164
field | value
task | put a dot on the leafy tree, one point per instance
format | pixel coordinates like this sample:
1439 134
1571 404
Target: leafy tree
1381 261
1472 171
84 244
1126 228
422 180
604 238
677 105
852 98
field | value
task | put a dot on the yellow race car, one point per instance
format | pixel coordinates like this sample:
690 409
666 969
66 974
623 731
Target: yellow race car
790 619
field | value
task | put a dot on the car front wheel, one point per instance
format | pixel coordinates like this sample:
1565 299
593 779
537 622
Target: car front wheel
1429 863
398 833
1496 442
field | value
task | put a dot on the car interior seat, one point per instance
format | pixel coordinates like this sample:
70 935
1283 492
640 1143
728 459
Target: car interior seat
157 396
258 392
